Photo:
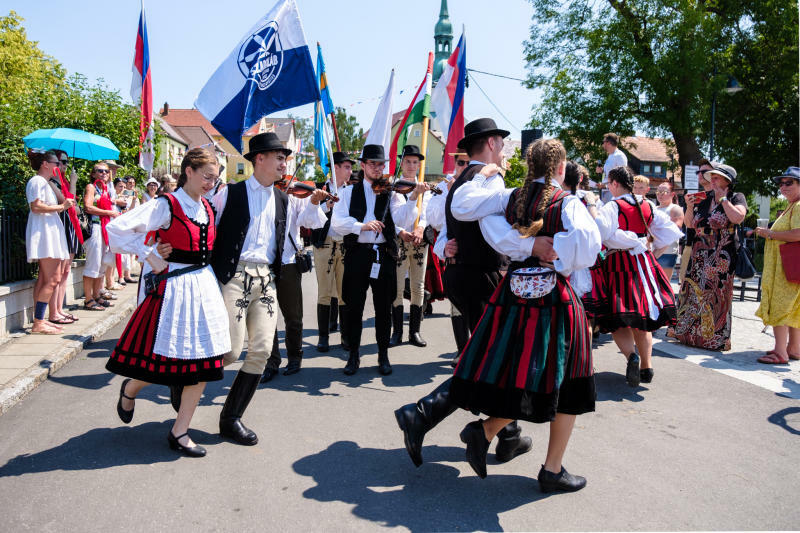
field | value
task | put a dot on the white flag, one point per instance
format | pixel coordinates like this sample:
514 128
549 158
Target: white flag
147 154
381 130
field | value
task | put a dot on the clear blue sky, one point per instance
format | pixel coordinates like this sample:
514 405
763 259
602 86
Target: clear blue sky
361 42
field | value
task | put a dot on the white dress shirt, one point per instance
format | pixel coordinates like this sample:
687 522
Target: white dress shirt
403 214
332 233
615 159
426 198
300 212
664 231
260 245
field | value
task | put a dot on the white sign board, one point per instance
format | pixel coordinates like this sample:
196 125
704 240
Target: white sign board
690 178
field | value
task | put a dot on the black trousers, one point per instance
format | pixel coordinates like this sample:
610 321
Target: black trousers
469 288
358 263
290 300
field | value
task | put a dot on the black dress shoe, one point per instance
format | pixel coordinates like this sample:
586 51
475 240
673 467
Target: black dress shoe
353 362
413 426
322 345
293 367
563 481
507 449
175 393
384 367
190 451
632 370
269 373
646 375
125 416
234 429
477 446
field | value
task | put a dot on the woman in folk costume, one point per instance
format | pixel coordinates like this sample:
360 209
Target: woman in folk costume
179 333
530 355
637 297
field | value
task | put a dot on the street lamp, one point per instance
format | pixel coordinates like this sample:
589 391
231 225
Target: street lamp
731 87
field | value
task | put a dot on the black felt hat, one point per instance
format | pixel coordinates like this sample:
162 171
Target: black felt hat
265 142
373 152
341 157
412 149
482 127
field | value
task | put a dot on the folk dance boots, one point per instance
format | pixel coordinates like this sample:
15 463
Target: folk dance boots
414 323
230 419
323 325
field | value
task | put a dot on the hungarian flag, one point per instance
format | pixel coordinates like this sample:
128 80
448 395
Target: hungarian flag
415 114
447 101
142 94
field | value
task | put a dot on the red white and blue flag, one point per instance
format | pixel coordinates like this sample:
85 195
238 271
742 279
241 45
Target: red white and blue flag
142 94
447 102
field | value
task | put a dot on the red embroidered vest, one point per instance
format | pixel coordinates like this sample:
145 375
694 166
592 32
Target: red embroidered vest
552 223
191 242
629 219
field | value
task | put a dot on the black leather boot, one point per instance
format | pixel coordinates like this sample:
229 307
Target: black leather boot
414 322
384 367
415 420
510 443
333 323
343 329
353 362
323 321
397 326
230 419
427 308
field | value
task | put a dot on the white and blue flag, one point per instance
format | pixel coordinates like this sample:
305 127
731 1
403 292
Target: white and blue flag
269 70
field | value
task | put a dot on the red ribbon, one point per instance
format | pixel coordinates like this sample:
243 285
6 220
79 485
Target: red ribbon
72 212
104 202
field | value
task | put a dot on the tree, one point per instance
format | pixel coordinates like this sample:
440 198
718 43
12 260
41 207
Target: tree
655 65
516 170
351 137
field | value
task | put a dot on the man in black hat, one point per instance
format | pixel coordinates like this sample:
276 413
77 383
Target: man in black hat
412 259
247 262
471 276
329 259
367 221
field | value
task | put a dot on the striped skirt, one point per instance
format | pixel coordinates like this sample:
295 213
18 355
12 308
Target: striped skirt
630 291
134 355
528 359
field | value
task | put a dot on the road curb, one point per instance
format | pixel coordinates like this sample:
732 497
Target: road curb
14 391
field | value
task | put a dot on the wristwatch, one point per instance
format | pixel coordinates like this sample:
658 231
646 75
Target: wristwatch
724 199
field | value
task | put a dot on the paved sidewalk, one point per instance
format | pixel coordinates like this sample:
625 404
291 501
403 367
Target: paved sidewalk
27 360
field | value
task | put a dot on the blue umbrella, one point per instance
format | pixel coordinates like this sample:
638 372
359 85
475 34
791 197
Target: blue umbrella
76 143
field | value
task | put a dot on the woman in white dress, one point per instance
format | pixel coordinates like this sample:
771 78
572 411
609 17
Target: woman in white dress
179 333
45 238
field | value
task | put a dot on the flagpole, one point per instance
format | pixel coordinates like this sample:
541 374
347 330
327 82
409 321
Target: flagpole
424 147
335 132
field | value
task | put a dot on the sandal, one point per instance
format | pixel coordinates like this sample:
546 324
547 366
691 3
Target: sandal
60 321
108 296
130 280
93 305
773 359
794 357
104 302
71 317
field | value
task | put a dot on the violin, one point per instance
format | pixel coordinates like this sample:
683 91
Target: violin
384 184
301 189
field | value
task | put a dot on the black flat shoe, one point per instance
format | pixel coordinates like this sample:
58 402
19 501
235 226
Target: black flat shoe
269 373
293 367
646 375
477 446
632 370
125 416
193 451
563 481
353 362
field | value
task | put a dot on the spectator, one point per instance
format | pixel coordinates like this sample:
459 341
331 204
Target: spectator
169 184
132 198
668 203
780 300
686 253
616 158
151 190
44 237
705 302
97 203
641 185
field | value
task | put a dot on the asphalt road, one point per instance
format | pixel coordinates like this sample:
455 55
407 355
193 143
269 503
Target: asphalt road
693 450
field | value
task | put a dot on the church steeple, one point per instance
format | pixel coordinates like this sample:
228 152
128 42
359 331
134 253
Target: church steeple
443 41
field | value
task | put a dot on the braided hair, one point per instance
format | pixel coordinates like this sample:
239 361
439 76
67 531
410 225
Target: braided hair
543 157
625 177
572 176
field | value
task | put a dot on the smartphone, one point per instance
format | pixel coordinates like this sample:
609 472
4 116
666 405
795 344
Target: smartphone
698 196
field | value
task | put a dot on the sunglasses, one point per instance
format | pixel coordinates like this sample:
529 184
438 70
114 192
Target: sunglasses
786 183
52 162
102 170
461 163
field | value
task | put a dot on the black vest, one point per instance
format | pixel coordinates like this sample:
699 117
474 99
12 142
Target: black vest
473 249
358 210
232 230
319 235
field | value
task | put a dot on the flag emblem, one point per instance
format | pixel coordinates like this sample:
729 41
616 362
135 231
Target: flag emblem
261 56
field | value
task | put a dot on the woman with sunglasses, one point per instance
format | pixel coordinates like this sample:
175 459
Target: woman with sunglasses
706 296
97 203
780 299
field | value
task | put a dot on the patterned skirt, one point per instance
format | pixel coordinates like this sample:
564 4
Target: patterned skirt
135 354
528 358
630 291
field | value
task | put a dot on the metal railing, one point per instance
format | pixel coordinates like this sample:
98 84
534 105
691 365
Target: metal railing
14 264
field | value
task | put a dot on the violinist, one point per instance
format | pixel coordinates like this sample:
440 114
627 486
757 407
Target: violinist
412 259
329 260
367 221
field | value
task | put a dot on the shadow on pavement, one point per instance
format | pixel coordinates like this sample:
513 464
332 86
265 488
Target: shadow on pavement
385 488
611 387
100 448
779 419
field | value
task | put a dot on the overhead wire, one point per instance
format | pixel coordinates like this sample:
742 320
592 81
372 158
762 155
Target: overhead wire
494 105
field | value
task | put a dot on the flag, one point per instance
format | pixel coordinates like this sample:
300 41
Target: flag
381 130
270 69
322 78
447 101
142 94
320 141
415 114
